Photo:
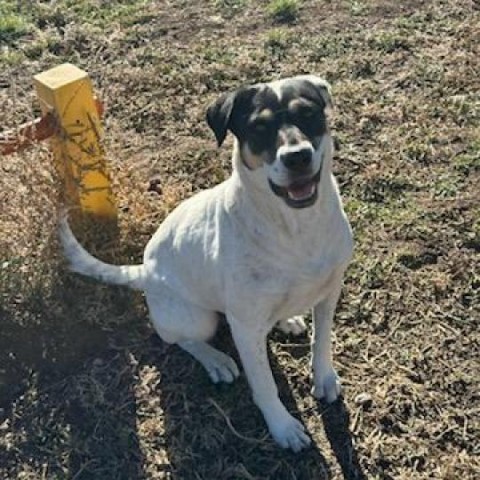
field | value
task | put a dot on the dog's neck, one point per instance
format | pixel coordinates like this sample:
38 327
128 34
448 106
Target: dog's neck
251 187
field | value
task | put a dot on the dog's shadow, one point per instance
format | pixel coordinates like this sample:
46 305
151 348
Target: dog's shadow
336 422
216 431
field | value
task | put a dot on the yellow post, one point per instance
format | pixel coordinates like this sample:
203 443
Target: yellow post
66 92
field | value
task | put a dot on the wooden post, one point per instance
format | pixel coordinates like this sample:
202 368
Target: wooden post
66 93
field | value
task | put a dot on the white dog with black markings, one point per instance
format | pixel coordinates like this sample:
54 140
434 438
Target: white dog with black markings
266 245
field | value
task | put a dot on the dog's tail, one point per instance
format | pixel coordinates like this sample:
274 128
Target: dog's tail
82 262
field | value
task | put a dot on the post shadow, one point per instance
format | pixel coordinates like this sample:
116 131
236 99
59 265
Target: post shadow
67 395
104 430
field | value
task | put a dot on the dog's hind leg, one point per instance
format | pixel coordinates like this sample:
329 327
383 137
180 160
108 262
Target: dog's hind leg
295 325
190 327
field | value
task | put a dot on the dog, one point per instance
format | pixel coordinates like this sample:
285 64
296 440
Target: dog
261 248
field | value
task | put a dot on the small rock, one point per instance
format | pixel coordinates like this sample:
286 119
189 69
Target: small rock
216 19
155 185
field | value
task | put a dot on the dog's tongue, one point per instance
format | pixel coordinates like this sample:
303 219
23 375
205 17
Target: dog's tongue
301 192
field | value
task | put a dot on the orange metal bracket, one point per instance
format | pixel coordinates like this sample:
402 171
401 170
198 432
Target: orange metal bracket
32 132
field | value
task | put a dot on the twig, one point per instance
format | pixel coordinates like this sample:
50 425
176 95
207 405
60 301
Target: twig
232 428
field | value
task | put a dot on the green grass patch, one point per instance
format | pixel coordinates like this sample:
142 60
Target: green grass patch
389 41
102 14
19 18
278 41
427 73
371 272
358 8
35 49
469 161
386 188
39 21
391 215
12 24
326 45
448 184
418 146
217 54
11 57
283 11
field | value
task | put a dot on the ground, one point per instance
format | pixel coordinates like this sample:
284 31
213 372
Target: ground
87 390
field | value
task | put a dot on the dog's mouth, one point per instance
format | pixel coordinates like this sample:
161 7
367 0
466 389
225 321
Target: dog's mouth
300 193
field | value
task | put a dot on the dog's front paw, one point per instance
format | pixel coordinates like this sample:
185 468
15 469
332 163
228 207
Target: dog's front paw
327 386
288 432
295 325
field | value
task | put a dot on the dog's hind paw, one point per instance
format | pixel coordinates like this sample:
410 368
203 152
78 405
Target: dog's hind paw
295 325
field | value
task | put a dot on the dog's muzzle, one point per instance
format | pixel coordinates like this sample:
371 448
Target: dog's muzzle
300 193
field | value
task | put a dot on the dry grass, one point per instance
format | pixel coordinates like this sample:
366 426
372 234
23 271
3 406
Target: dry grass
87 391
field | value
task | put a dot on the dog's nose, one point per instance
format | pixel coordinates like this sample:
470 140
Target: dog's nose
298 160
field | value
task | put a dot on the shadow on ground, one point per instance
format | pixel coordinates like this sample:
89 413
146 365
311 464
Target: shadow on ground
216 431
336 422
82 400
67 400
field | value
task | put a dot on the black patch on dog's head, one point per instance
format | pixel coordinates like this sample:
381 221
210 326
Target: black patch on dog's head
304 104
228 110
255 115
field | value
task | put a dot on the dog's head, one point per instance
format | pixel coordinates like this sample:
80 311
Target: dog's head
282 127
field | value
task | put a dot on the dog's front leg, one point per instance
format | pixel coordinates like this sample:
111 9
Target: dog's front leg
287 431
326 383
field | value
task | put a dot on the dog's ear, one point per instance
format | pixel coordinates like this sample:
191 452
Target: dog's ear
219 116
323 89
229 112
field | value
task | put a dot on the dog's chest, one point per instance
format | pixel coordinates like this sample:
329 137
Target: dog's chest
301 294
287 279
283 290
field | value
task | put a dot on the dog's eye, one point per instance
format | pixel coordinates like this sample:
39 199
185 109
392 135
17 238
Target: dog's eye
307 113
308 119
260 128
